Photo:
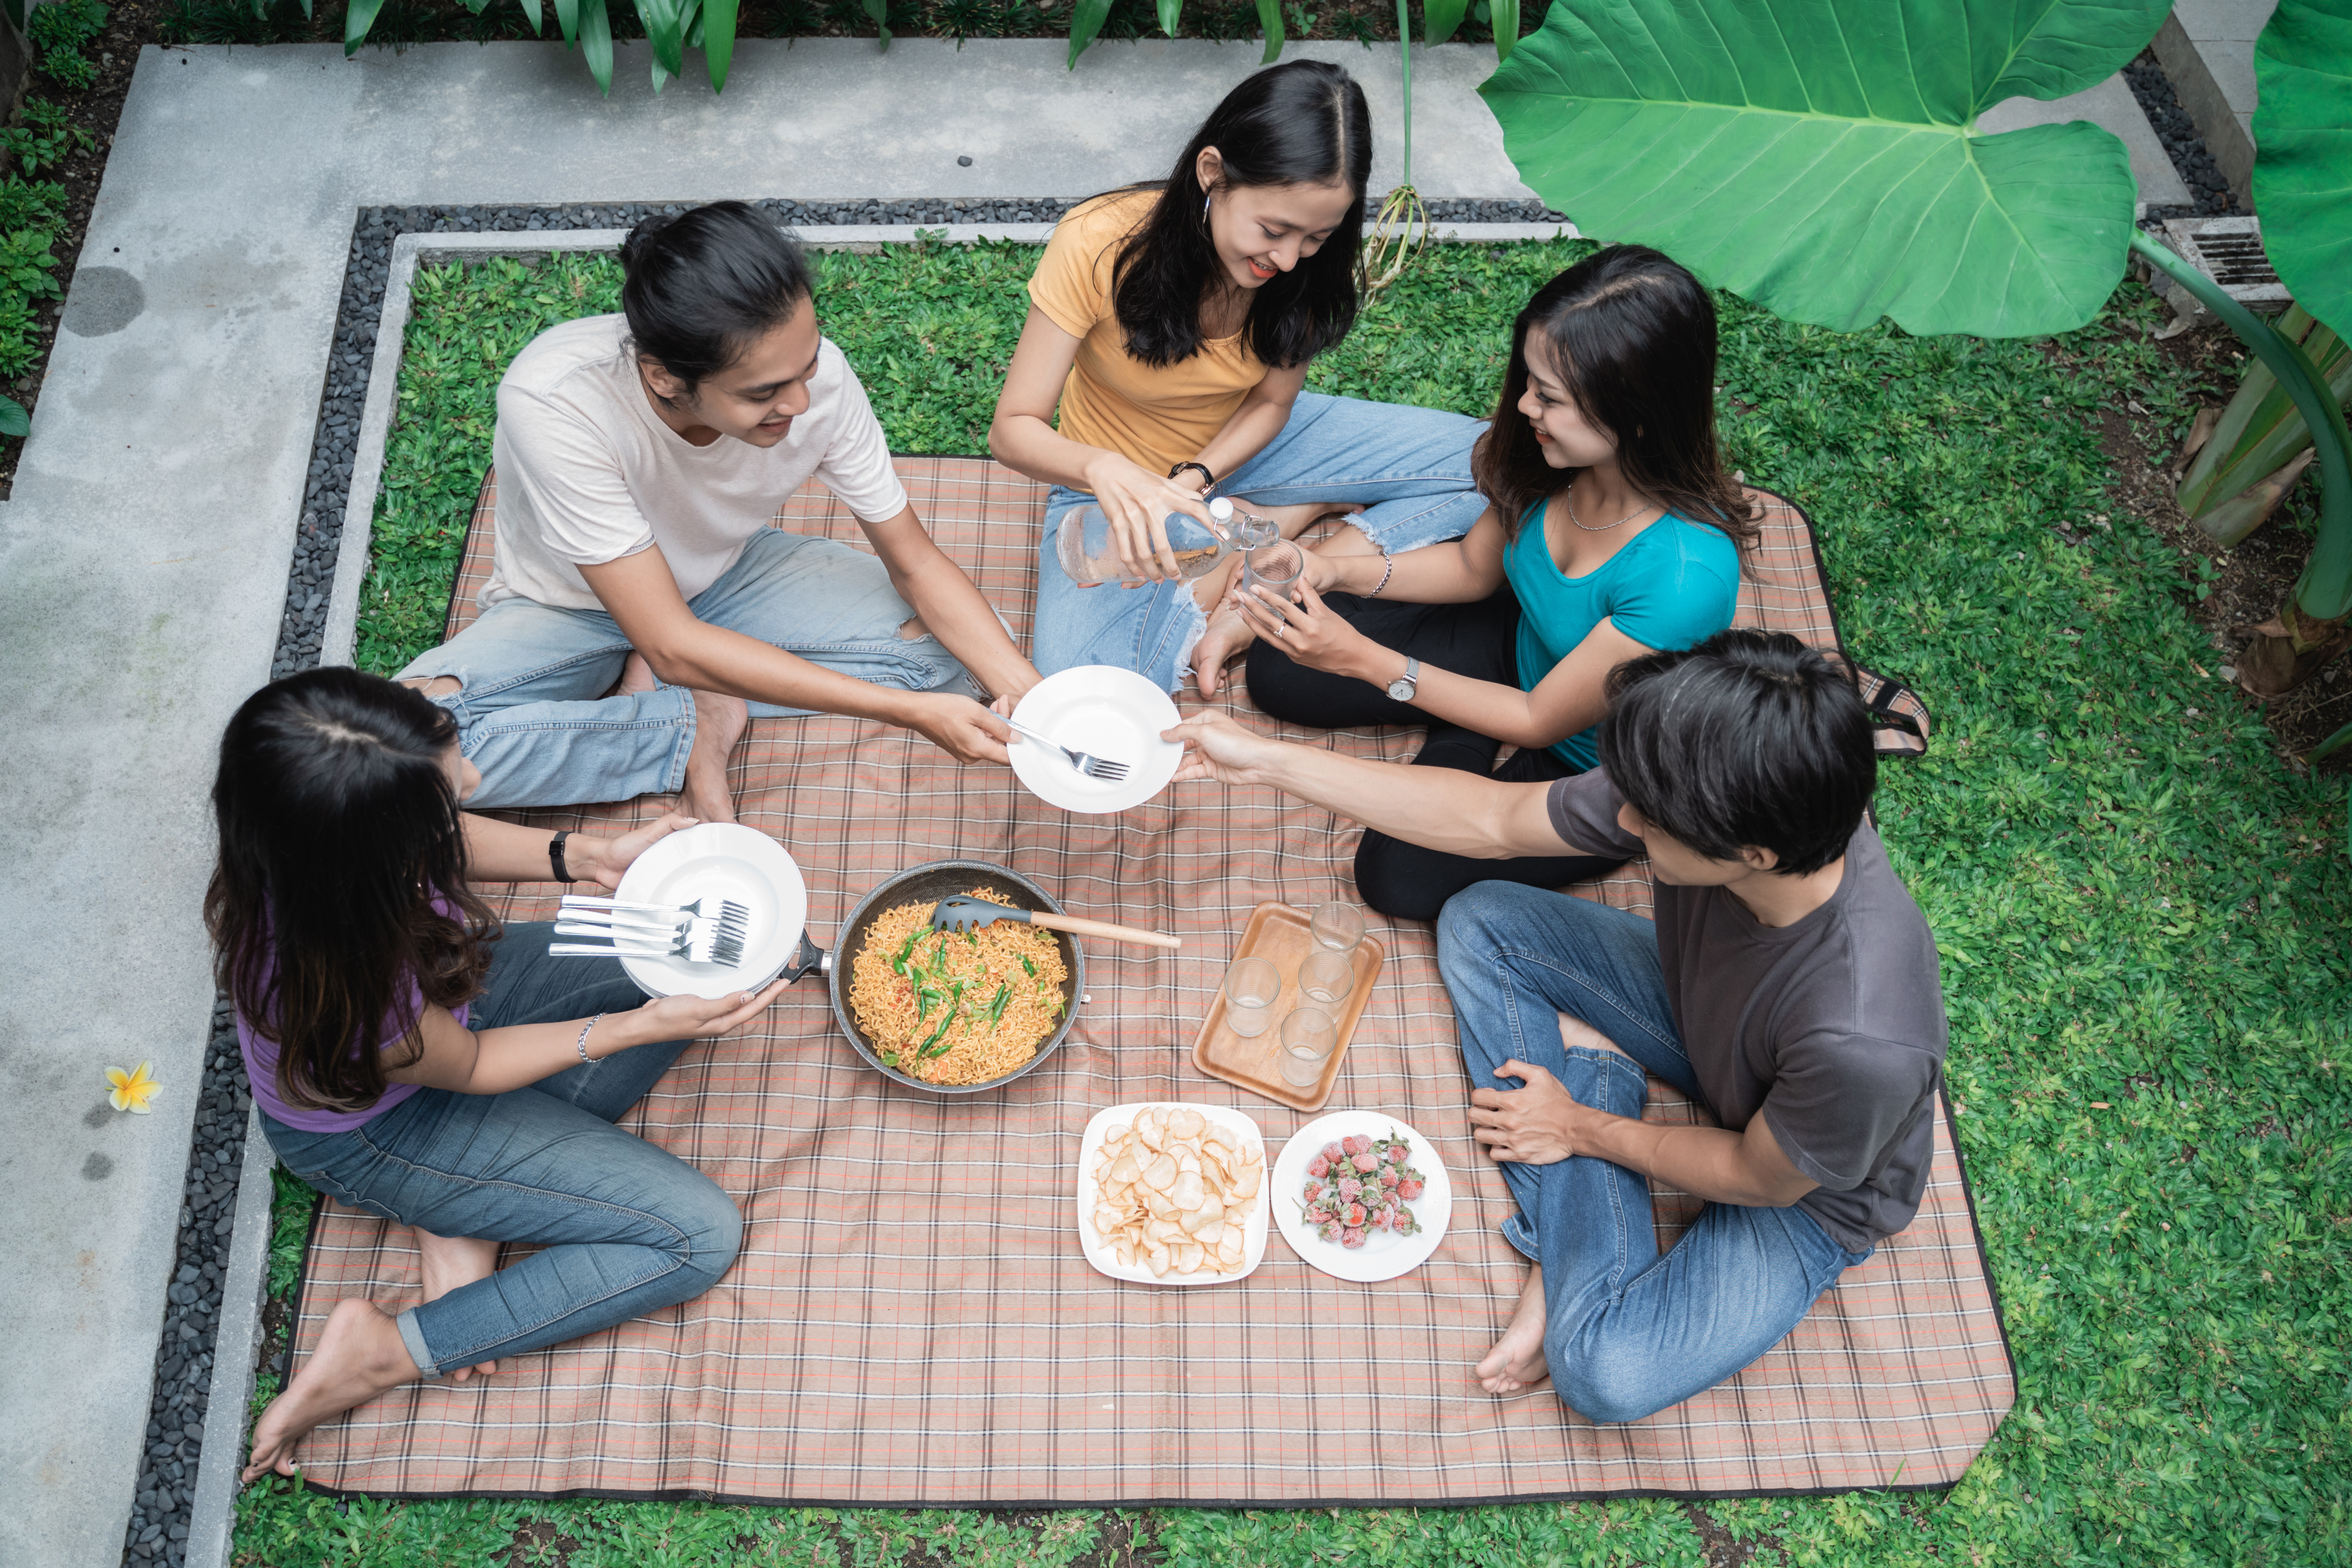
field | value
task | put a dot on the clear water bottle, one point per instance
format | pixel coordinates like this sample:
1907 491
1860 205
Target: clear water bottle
1085 547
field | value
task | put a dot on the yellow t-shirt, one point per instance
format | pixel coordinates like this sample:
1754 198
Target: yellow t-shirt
1155 417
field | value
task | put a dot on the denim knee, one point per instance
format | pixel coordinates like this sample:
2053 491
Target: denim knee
1475 923
1607 1394
711 1233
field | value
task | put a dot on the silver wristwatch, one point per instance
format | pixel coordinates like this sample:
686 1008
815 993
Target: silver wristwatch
1401 688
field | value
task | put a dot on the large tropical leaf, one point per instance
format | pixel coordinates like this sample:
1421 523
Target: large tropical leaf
2303 154
718 18
1086 19
1820 156
1440 17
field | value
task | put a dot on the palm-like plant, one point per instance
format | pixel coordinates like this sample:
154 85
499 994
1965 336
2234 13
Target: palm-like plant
1439 19
672 27
1823 160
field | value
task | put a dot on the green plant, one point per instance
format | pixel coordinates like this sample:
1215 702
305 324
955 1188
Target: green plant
28 266
2259 445
47 139
672 27
1827 166
20 342
58 30
1401 228
13 420
30 203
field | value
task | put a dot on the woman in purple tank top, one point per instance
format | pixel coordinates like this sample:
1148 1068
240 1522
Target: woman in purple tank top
413 1059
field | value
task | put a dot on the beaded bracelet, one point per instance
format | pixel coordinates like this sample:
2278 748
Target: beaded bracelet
581 1044
1386 572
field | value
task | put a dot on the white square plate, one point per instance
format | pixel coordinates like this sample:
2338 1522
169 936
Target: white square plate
1252 1231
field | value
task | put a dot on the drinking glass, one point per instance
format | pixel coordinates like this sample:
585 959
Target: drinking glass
1277 566
1251 986
1337 925
1308 1039
1326 978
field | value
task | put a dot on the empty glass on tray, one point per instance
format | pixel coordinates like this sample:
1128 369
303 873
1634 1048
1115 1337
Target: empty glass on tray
1251 986
1326 978
1308 1039
1336 926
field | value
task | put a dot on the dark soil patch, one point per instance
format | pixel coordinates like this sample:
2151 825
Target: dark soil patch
2249 581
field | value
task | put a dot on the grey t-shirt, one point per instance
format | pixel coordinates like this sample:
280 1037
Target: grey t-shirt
1832 1027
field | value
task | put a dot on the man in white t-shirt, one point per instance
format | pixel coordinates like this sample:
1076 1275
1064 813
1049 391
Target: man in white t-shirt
640 608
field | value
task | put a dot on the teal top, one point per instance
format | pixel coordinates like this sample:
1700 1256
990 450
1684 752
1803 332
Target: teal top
1675 584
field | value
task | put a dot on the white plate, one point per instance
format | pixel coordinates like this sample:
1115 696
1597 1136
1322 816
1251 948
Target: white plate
720 860
1384 1254
1112 713
1252 1231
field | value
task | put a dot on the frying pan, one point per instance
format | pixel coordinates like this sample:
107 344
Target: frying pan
928 884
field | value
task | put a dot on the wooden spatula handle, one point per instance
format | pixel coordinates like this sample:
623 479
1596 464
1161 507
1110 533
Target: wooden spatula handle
1102 929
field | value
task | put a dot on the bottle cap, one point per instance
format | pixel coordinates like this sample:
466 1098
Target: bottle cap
1221 509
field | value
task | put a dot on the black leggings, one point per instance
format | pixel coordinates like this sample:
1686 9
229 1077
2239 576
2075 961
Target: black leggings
1404 880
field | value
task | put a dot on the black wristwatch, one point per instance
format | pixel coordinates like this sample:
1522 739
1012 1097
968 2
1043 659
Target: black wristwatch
555 857
1208 479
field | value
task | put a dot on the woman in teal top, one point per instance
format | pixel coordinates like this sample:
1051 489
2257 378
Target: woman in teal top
1624 537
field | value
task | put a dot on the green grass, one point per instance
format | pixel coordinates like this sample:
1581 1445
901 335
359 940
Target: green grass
2141 908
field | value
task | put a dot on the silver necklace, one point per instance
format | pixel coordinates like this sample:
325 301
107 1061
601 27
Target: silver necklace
1605 527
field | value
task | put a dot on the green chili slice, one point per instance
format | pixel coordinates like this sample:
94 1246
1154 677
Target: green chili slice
1029 966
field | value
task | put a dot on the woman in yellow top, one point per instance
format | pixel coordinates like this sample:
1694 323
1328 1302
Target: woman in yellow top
1172 325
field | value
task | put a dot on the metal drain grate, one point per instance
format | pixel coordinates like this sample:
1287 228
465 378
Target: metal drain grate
2230 251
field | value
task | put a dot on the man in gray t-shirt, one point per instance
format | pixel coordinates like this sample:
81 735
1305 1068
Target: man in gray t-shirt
1789 982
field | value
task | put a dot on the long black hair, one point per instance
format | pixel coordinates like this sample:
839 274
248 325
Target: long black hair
338 830
1634 334
1750 738
1301 123
703 286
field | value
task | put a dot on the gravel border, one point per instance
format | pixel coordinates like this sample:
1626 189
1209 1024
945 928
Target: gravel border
2183 144
165 1508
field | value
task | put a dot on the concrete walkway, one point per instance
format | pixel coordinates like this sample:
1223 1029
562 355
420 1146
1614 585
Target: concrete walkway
143 557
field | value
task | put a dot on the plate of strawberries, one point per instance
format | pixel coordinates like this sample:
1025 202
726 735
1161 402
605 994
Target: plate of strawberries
1360 1195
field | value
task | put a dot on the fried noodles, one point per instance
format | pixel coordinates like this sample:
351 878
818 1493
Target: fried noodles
956 1009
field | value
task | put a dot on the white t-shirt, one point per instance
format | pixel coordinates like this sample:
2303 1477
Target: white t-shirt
589 473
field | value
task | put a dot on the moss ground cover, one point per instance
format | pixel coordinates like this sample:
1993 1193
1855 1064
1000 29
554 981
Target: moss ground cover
2141 910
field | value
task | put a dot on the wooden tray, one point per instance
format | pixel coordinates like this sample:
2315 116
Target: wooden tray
1279 933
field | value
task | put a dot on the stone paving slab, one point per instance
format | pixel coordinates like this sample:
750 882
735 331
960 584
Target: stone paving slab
144 552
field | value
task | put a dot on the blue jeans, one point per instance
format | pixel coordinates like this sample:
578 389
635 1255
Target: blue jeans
533 714
628 1228
1410 466
1627 1332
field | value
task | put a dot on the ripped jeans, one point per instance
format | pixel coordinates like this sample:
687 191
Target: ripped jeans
531 711
1409 466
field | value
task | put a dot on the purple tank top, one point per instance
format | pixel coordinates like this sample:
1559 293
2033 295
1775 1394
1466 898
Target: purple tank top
261 1064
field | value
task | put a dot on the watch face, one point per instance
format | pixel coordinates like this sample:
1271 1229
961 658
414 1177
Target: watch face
1401 690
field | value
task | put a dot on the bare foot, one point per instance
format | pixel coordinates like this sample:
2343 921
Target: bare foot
360 1355
636 676
719 723
1227 636
451 1261
1516 1362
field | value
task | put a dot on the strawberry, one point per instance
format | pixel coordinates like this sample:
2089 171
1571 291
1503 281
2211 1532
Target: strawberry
1353 1215
1351 1188
1366 1164
1355 1143
1329 1231
1318 1166
1388 1177
1316 1214
1409 1189
1334 1153
1397 1151
1351 1238
1383 1218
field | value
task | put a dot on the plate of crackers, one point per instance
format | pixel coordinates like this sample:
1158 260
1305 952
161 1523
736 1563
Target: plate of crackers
1172 1193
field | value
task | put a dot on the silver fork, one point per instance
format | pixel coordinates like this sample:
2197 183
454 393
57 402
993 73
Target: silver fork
1087 763
702 939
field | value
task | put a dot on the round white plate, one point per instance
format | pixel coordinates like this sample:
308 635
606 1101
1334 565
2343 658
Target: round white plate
720 860
1253 1232
1385 1253
1114 714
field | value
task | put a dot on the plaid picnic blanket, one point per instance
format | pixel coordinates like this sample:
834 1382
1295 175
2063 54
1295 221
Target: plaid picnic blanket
910 1320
